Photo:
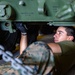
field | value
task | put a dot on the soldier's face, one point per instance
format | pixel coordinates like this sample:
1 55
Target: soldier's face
60 35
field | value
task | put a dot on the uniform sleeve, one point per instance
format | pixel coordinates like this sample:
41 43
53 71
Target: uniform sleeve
67 47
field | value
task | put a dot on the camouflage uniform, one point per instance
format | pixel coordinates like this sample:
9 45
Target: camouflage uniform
38 56
6 69
38 53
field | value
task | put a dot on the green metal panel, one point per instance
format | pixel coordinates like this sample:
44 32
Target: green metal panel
30 10
49 11
67 11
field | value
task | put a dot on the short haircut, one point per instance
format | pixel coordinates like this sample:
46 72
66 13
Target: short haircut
70 31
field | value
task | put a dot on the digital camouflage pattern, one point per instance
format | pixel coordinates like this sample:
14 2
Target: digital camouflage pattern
6 69
34 51
37 55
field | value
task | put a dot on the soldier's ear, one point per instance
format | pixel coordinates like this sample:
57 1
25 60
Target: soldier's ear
70 38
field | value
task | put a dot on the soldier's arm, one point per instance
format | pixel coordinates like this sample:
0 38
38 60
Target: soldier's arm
55 47
23 43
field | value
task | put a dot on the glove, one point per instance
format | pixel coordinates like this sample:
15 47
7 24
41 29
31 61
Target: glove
22 28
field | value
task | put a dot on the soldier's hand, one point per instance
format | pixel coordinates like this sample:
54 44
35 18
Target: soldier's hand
22 27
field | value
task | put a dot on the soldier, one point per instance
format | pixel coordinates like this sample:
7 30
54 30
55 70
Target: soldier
58 55
56 58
